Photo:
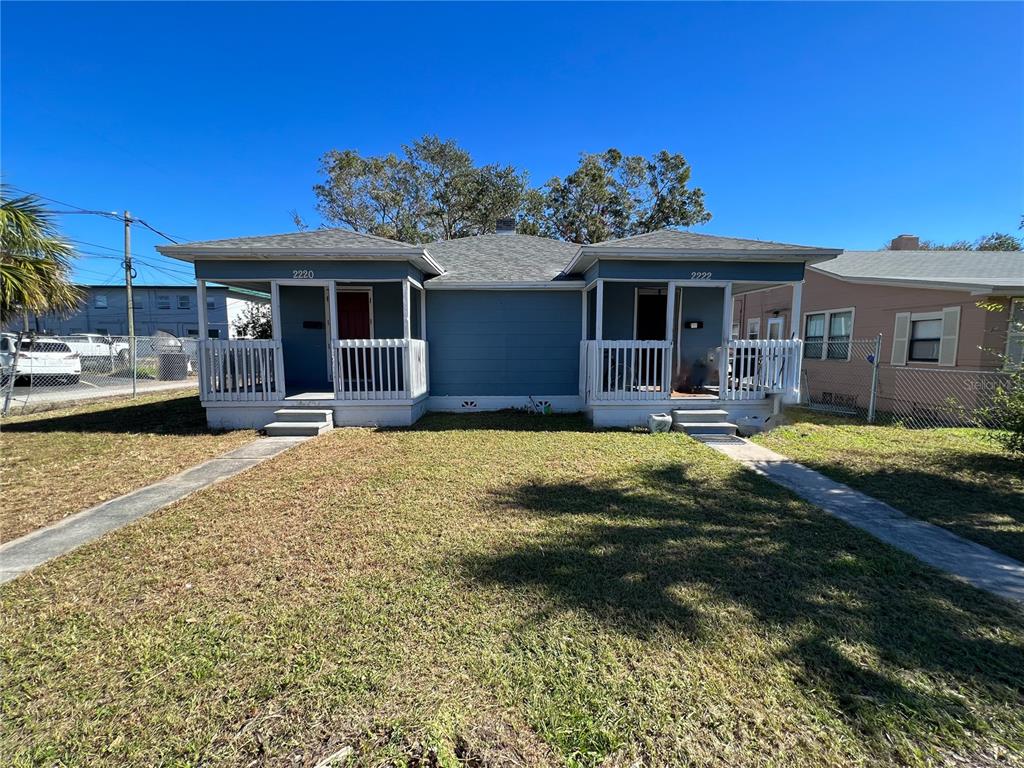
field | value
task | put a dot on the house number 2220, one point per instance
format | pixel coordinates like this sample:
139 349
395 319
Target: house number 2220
700 275
302 274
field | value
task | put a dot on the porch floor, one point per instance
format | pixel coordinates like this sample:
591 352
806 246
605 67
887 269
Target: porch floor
311 396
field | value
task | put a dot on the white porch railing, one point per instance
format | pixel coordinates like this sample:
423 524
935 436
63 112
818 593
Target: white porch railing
240 370
756 367
625 370
379 369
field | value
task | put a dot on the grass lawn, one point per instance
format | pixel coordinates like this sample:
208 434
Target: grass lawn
477 591
957 478
56 463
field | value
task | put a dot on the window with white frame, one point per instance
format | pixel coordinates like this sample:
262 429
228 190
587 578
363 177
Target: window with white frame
734 332
754 328
827 334
99 301
163 301
925 338
1015 335
184 301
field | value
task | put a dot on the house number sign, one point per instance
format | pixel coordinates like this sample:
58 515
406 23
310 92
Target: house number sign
700 275
302 274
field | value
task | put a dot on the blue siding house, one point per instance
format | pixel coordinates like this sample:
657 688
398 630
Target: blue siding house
371 331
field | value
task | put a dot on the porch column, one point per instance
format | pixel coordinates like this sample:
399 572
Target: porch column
599 325
201 309
275 310
406 312
723 359
794 320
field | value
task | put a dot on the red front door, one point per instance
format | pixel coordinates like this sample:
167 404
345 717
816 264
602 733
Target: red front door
353 315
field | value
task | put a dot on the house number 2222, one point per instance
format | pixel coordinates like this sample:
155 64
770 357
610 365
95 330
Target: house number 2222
302 274
700 275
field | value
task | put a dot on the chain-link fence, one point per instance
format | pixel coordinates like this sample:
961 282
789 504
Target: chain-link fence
38 372
849 379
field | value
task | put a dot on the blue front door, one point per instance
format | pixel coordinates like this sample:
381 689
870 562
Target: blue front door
304 338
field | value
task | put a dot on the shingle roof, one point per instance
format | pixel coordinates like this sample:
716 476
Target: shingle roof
674 238
500 258
316 243
313 238
980 269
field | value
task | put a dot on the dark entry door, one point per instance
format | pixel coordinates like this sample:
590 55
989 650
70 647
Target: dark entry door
650 316
354 315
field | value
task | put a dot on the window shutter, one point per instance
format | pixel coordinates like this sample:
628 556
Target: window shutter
900 338
950 332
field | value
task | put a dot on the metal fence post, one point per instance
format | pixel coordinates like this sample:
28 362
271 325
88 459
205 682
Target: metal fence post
875 359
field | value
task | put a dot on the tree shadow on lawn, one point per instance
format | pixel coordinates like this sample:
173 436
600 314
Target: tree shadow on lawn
939 494
627 549
174 416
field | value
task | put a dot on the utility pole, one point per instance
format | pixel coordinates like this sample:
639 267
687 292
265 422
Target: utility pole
128 274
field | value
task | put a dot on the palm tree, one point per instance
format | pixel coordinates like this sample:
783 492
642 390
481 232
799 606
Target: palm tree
35 261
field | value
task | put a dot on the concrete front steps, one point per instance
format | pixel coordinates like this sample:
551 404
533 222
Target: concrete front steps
300 422
694 421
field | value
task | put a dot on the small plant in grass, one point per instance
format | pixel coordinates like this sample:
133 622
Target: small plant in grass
1007 410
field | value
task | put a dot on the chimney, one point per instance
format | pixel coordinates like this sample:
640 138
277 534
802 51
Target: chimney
905 243
506 226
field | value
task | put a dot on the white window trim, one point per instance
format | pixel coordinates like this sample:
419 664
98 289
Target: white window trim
646 291
96 301
756 323
1010 333
825 338
915 316
177 302
779 320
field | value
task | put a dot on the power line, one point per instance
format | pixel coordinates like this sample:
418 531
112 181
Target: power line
154 229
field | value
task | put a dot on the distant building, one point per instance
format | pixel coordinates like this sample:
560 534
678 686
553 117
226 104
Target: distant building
168 308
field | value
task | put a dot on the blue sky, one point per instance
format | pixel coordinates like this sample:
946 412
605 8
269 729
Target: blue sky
830 124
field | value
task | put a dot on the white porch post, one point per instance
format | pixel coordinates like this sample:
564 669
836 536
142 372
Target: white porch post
275 324
794 320
599 325
723 359
406 313
275 310
668 362
201 308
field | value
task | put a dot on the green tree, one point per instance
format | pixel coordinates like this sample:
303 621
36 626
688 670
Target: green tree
998 241
612 195
254 322
432 191
35 261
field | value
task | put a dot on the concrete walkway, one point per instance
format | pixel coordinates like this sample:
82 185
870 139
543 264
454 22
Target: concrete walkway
34 549
978 565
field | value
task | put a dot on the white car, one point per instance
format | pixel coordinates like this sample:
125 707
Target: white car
44 361
98 352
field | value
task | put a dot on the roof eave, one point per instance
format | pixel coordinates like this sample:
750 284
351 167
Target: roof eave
589 254
417 256
979 288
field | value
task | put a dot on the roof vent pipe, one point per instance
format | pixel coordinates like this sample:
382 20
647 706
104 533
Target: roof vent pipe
506 226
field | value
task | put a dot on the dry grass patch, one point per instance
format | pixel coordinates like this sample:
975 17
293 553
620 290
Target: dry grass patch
56 463
960 479
503 590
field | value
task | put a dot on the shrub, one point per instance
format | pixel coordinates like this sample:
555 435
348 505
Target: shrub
1007 410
